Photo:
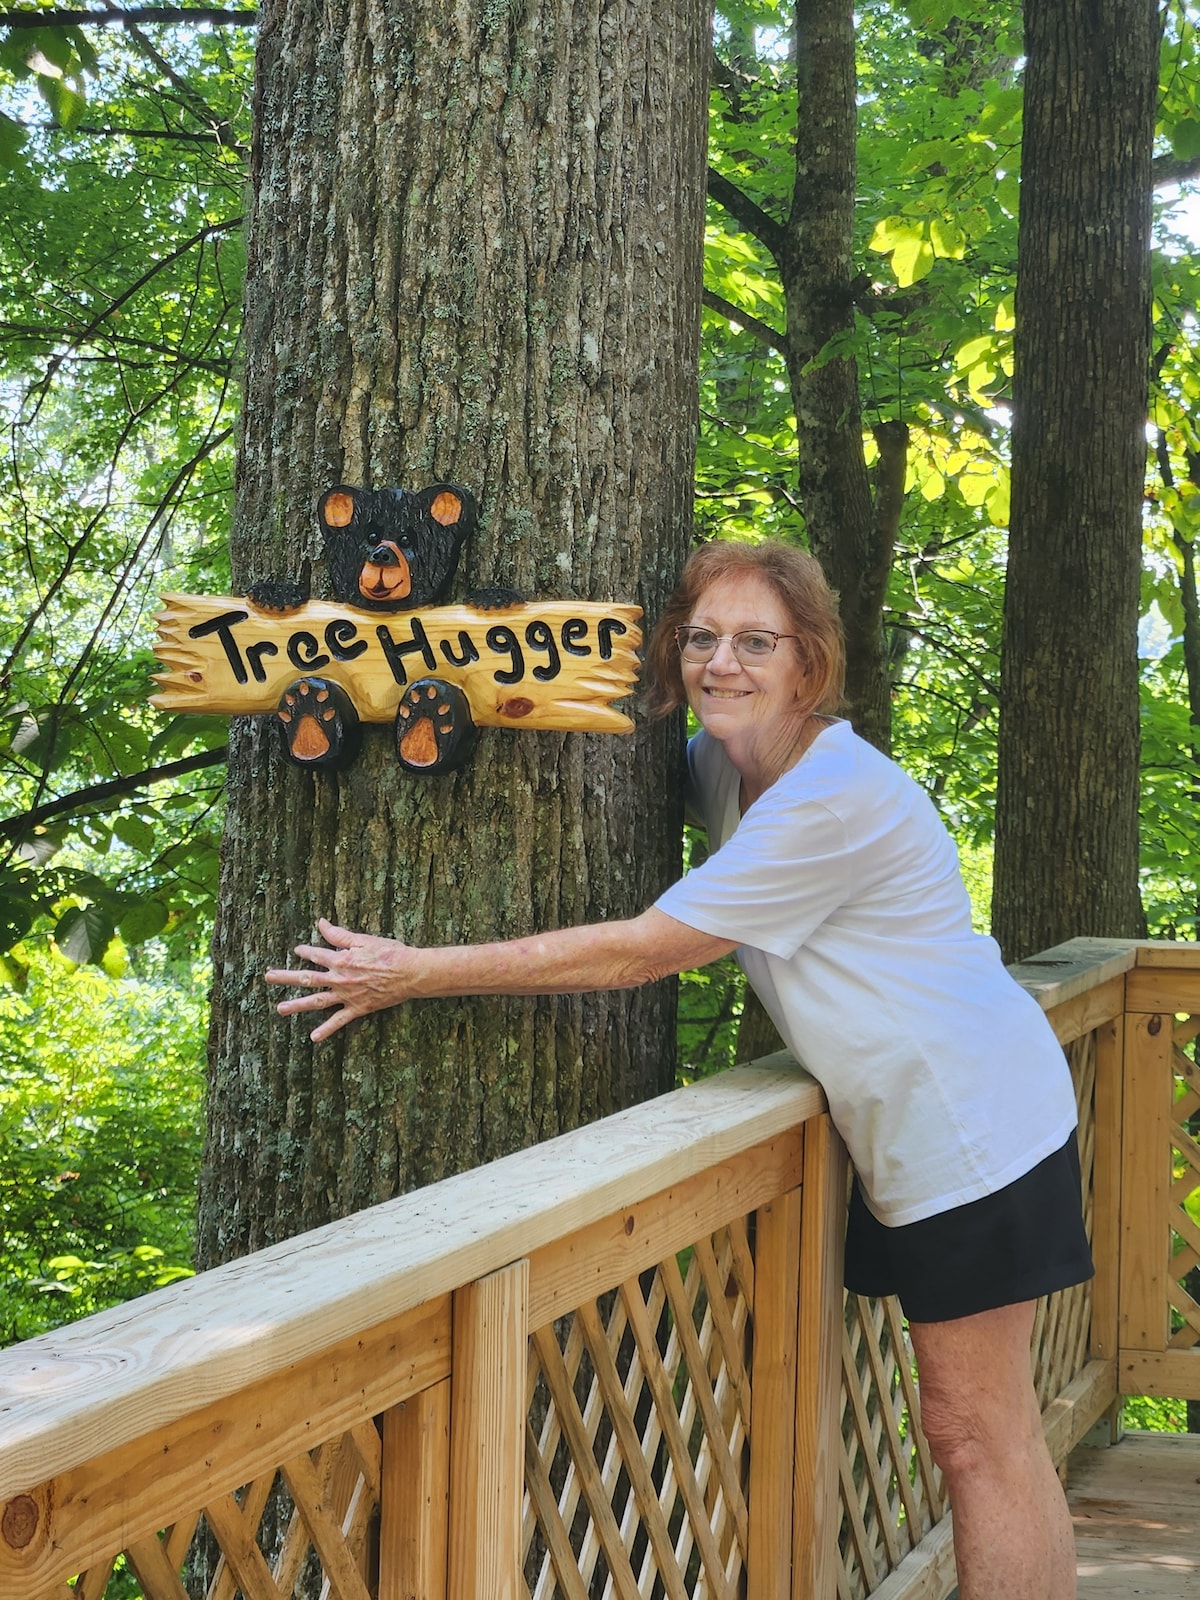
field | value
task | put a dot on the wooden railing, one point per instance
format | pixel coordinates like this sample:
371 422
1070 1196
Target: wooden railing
619 1363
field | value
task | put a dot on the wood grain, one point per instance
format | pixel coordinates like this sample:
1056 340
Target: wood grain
773 1397
247 664
414 1513
487 1436
127 1494
818 1386
87 1388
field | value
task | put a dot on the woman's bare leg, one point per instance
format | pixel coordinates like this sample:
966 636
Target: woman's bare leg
1013 1538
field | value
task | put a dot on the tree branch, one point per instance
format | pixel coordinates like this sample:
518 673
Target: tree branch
17 827
747 213
731 83
762 331
1173 169
38 335
196 104
209 231
179 134
65 18
887 502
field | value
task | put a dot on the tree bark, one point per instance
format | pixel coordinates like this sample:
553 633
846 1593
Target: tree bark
474 255
851 521
1067 803
816 265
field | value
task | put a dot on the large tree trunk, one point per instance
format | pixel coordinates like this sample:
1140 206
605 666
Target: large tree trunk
475 256
1067 805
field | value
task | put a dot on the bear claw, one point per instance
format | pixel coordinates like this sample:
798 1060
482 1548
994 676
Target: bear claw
434 729
319 724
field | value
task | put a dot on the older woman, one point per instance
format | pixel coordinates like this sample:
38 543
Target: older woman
833 878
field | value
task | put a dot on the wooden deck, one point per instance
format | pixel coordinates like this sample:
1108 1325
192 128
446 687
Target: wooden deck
1136 1508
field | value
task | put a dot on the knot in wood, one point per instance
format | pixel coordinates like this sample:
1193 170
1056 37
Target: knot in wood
19 1521
629 1225
1154 1026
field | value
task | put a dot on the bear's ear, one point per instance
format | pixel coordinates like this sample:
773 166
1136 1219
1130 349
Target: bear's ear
337 506
450 506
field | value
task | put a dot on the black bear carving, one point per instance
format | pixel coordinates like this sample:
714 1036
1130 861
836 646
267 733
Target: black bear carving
386 550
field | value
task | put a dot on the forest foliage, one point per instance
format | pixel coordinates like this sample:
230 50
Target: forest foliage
123 151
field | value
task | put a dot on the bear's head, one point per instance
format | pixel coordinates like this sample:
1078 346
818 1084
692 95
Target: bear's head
394 549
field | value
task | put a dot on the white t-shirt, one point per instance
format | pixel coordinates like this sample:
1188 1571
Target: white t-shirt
842 887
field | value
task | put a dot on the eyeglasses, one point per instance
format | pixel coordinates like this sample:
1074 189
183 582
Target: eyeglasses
752 646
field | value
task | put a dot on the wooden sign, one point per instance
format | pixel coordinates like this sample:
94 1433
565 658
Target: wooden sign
543 664
384 651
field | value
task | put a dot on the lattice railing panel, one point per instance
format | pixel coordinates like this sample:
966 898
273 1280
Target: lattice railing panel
1061 1329
637 1445
1184 1290
891 1492
303 1530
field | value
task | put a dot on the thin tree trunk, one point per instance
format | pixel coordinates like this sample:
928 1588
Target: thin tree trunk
475 256
816 264
1067 804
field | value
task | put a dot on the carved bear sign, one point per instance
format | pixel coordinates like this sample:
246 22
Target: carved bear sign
437 673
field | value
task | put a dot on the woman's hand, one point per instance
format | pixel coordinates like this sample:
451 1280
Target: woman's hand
356 971
361 973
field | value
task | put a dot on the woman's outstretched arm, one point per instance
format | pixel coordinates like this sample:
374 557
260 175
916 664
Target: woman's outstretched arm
357 973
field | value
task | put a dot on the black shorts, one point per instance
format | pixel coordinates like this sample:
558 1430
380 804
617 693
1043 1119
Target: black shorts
1024 1241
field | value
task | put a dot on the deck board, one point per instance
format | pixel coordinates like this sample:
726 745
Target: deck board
1136 1508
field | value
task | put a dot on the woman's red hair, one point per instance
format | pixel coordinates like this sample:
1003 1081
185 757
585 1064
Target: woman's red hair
806 597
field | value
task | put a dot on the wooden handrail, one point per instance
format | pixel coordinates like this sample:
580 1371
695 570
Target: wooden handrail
68 1395
388 1366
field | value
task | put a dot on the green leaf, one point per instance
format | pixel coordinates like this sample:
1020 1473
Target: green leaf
137 833
12 140
89 61
976 222
83 933
16 919
997 502
893 231
970 354
1185 139
66 103
912 260
142 921
948 239
1008 192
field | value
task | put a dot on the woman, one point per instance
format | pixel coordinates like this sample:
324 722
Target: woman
831 875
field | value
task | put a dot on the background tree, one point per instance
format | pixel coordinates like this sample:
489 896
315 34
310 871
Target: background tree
473 255
120 269
1067 797
812 249
120 282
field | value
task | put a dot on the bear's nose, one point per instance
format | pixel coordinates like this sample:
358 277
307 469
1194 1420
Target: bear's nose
384 555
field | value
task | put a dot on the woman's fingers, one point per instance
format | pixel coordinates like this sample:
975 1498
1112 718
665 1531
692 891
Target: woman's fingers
332 1024
303 977
353 972
308 1002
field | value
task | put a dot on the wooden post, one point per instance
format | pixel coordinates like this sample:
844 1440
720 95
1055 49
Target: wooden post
773 1397
818 1364
487 1435
1146 1177
1106 1188
414 1506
